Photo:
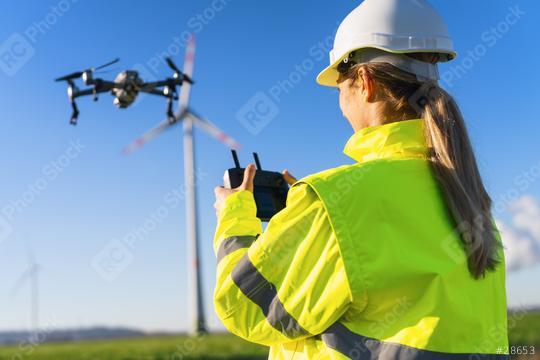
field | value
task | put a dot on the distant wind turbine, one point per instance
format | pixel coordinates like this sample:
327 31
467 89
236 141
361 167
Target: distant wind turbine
31 275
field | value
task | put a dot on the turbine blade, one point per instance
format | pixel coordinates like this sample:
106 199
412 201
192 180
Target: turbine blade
213 130
146 137
151 134
189 58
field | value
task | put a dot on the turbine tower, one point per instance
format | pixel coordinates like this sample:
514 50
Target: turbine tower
31 275
189 117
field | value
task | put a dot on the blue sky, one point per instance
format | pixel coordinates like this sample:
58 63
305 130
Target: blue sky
69 193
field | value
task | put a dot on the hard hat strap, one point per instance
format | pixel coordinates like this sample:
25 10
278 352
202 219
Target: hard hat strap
424 71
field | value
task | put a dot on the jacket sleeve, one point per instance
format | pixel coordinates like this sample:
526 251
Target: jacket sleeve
283 284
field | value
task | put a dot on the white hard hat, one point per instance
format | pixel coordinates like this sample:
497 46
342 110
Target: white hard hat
396 27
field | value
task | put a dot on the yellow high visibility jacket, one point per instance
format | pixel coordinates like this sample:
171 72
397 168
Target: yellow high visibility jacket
363 263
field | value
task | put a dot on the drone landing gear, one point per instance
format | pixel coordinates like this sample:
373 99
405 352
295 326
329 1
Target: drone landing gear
170 113
74 114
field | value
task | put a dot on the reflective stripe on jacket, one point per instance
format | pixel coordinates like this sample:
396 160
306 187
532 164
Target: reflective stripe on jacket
363 263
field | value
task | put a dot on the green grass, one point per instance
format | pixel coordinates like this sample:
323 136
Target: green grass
212 347
524 329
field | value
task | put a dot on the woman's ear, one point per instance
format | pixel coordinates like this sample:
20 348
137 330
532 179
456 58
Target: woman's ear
368 86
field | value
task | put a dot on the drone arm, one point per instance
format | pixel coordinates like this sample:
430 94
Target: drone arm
101 85
153 92
91 91
167 82
79 93
153 84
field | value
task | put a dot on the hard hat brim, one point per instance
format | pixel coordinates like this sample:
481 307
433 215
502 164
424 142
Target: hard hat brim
329 76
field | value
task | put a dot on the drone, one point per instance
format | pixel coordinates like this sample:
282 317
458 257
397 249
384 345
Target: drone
125 87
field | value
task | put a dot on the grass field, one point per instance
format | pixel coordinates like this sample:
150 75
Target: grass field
524 330
215 346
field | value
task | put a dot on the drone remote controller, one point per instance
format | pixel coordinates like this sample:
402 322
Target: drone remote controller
269 187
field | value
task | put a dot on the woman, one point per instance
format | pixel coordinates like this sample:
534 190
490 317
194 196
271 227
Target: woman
393 257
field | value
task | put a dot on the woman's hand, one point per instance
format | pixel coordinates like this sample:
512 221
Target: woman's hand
249 174
222 193
288 177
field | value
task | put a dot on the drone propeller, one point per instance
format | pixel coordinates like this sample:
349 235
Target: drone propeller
171 92
78 74
107 64
177 71
172 65
108 71
70 76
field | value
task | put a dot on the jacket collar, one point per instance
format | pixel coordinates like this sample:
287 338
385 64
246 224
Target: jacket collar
402 139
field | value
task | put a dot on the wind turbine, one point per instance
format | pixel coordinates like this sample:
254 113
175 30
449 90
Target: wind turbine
30 274
189 117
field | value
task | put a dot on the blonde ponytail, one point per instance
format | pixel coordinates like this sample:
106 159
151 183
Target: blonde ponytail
451 155
455 167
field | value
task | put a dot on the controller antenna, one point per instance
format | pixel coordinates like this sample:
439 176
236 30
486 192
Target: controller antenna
257 162
235 158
